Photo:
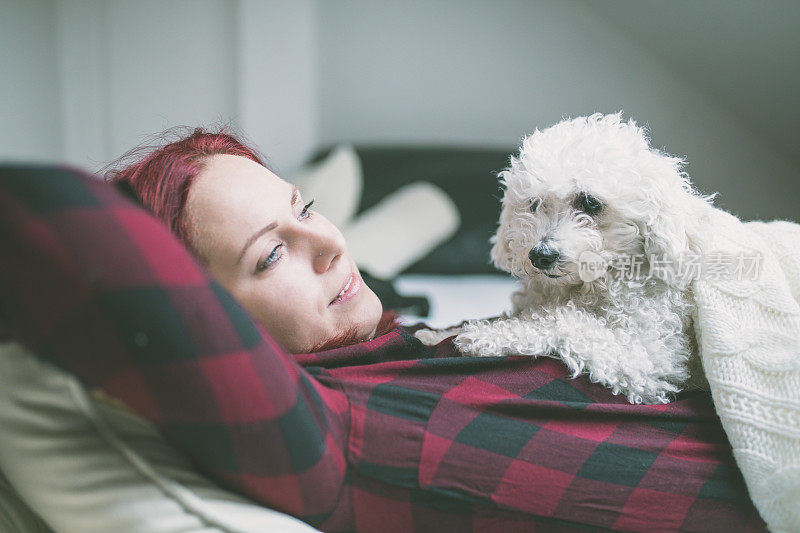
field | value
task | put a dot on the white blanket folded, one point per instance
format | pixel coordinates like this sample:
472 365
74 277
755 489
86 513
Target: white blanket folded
748 330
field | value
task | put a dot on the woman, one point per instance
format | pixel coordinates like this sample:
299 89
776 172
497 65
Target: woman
379 434
286 264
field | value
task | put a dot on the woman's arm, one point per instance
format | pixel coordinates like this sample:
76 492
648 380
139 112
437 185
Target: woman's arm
96 285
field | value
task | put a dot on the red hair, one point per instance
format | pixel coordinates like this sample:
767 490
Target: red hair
161 176
389 321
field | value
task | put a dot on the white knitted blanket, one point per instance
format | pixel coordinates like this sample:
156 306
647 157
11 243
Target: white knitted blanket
748 331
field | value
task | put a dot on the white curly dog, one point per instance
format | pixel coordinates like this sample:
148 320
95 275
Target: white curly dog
604 233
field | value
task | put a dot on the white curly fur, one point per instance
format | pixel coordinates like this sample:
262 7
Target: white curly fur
634 336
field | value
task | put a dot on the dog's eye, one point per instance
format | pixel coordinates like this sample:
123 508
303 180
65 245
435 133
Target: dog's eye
588 204
535 203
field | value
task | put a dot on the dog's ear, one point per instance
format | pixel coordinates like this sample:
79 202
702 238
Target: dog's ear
668 235
501 253
673 224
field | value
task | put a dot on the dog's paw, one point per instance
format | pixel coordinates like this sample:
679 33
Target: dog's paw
651 393
472 343
662 392
637 387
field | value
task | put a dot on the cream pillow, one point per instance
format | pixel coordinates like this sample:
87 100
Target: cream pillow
88 465
335 184
401 229
15 515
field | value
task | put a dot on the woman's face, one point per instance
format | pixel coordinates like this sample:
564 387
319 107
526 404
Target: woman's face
287 265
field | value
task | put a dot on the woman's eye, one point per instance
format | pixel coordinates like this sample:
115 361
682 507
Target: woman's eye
304 213
273 257
588 204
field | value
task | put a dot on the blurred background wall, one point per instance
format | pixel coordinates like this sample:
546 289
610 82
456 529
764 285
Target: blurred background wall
716 81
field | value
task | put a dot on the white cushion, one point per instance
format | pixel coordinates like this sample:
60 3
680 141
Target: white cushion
334 183
86 464
401 229
15 515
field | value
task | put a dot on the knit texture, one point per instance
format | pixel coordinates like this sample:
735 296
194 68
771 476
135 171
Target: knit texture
748 331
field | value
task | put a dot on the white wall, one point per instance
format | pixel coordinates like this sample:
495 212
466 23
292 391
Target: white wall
743 55
30 121
136 68
478 72
278 83
85 81
83 63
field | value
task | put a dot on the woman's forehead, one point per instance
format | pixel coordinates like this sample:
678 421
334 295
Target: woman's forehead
233 196
232 182
223 171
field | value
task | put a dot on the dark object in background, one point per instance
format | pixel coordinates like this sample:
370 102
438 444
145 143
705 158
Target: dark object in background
391 299
5 331
125 188
468 176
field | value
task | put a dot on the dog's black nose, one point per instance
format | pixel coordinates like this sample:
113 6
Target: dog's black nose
543 257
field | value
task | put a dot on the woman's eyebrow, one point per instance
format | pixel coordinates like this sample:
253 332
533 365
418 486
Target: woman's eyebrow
269 227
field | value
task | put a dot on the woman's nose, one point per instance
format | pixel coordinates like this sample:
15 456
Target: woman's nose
328 249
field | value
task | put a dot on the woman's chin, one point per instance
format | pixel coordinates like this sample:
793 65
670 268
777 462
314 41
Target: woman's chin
374 312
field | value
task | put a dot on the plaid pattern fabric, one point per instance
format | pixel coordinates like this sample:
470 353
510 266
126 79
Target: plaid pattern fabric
387 435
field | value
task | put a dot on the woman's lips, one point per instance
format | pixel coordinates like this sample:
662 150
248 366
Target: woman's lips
349 289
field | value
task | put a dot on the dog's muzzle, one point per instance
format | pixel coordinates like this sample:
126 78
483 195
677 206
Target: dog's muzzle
543 257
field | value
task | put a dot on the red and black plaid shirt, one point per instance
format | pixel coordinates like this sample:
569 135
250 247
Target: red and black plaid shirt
386 435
